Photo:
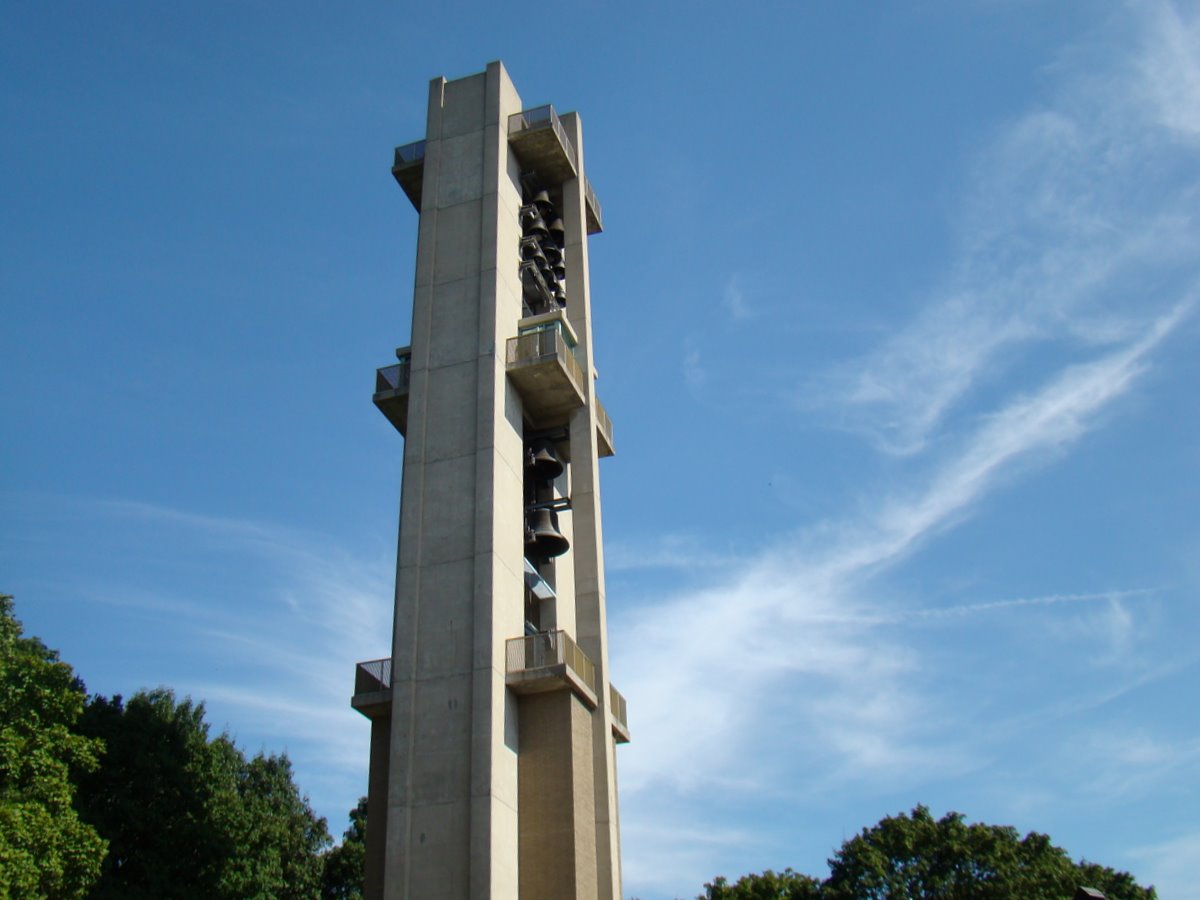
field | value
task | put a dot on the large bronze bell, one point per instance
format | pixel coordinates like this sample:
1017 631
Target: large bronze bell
535 227
542 537
541 461
558 231
532 222
543 202
533 250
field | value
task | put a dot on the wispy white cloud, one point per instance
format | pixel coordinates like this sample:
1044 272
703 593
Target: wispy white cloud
790 637
1121 763
670 551
1172 866
693 368
797 610
735 299
1073 216
796 657
280 654
1169 70
667 852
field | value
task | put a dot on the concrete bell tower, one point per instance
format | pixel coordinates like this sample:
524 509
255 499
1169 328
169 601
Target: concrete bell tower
494 723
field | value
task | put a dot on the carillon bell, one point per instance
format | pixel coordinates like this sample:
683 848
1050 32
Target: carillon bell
560 294
536 227
558 231
541 461
533 250
532 222
542 537
543 202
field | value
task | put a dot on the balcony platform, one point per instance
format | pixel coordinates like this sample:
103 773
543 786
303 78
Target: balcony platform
408 168
373 688
620 723
595 224
604 431
391 390
541 144
550 661
541 364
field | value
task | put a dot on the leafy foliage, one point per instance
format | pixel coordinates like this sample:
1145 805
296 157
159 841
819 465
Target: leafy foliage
187 816
346 863
45 850
785 885
918 857
915 857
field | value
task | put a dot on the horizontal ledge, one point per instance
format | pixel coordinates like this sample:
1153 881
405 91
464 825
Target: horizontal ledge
558 677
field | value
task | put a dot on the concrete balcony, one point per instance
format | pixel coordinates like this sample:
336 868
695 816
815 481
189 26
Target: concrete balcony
541 362
537 137
604 438
391 390
620 715
595 224
373 688
549 661
408 168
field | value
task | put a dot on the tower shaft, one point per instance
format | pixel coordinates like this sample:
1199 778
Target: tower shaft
493 724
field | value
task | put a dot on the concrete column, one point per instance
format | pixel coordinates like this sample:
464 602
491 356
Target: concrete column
477 792
452 800
588 550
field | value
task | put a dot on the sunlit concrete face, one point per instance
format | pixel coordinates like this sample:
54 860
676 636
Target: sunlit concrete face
493 723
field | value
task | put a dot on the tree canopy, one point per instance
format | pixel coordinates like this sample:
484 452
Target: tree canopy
45 850
345 864
106 799
190 816
915 857
785 885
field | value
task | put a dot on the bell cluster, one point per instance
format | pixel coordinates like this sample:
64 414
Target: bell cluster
543 540
543 265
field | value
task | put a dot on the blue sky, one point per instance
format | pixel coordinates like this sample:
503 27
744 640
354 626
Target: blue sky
895 316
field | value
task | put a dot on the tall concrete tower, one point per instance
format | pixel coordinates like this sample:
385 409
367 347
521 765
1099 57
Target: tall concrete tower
493 723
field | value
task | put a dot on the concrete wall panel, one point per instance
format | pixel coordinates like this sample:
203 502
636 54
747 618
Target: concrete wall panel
448 514
457 250
447 619
451 433
460 169
463 105
441 771
440 842
455 322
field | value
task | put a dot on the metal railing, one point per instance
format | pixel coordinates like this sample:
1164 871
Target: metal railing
541 117
374 675
549 648
603 422
394 378
409 154
541 345
616 704
590 196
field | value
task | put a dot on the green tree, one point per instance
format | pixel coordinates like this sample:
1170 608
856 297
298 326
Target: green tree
345 864
279 838
187 816
914 856
785 885
45 850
